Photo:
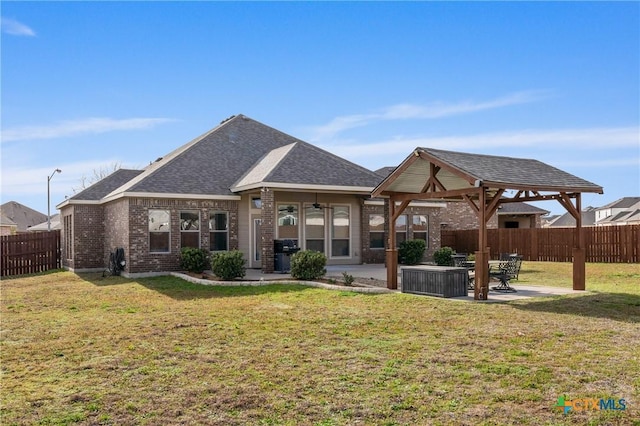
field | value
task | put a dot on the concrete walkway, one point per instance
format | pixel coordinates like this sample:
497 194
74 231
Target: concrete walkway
376 275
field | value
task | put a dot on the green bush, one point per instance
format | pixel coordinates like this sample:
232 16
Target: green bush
411 252
194 259
228 265
347 278
442 256
308 265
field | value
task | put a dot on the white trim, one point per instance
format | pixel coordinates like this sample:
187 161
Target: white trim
150 195
227 231
305 187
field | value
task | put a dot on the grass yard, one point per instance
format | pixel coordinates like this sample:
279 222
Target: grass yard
93 350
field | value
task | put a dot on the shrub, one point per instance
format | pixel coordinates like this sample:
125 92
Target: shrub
442 256
308 265
411 252
347 278
228 265
194 259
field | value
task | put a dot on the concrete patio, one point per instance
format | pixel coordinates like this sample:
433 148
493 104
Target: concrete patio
376 275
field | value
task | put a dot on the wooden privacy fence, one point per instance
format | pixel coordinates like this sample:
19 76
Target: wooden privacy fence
29 253
609 244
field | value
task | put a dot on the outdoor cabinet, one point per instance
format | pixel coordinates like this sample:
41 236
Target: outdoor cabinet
441 281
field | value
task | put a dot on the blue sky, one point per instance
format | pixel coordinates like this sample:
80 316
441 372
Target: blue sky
86 85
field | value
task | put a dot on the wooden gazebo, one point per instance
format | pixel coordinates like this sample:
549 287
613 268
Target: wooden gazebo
484 182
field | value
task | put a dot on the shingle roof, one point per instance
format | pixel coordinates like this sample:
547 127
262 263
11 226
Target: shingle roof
212 163
104 186
622 203
520 208
21 215
510 171
566 220
385 171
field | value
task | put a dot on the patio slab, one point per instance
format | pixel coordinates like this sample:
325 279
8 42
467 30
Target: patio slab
376 275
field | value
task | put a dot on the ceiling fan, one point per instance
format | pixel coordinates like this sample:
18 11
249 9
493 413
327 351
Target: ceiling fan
288 209
318 206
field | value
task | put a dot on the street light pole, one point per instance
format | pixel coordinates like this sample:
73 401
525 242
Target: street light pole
49 198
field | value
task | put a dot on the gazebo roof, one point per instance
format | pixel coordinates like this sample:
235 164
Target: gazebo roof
449 171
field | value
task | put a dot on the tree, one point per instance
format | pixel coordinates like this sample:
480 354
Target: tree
98 175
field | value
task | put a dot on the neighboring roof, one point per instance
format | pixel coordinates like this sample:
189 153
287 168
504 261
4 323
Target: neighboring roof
622 203
566 220
104 186
461 171
5 221
520 208
55 224
22 215
385 171
239 151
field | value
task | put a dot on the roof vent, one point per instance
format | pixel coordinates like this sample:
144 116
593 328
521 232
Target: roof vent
227 119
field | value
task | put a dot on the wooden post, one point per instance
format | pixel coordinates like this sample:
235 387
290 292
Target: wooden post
579 255
481 288
392 252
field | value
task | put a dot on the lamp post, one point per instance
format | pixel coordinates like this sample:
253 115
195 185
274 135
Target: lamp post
49 198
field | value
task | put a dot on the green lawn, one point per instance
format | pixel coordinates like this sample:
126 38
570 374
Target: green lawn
93 350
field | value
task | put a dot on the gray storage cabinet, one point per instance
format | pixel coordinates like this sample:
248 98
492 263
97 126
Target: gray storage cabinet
441 281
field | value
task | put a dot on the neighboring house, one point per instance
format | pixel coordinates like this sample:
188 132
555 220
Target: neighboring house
7 226
241 185
568 221
620 212
520 215
44 226
21 215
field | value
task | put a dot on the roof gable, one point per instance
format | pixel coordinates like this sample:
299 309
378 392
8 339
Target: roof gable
21 215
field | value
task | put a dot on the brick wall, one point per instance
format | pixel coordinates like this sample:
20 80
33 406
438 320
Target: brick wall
116 229
87 234
459 215
140 260
267 214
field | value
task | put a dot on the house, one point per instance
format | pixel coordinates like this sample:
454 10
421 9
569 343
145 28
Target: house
45 226
520 215
588 215
620 212
22 216
7 226
242 185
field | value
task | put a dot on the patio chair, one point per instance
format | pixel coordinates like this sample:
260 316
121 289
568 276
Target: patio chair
505 272
518 261
460 261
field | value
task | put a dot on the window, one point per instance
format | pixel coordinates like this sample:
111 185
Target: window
159 231
287 221
218 231
190 229
68 237
421 228
314 229
376 231
401 229
340 231
256 203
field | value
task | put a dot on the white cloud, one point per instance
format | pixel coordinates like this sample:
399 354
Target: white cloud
589 138
25 181
13 27
79 127
424 112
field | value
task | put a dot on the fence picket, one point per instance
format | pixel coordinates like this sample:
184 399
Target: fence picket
607 244
29 253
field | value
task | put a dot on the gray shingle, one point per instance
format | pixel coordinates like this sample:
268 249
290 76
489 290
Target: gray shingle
499 169
211 164
520 208
104 186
